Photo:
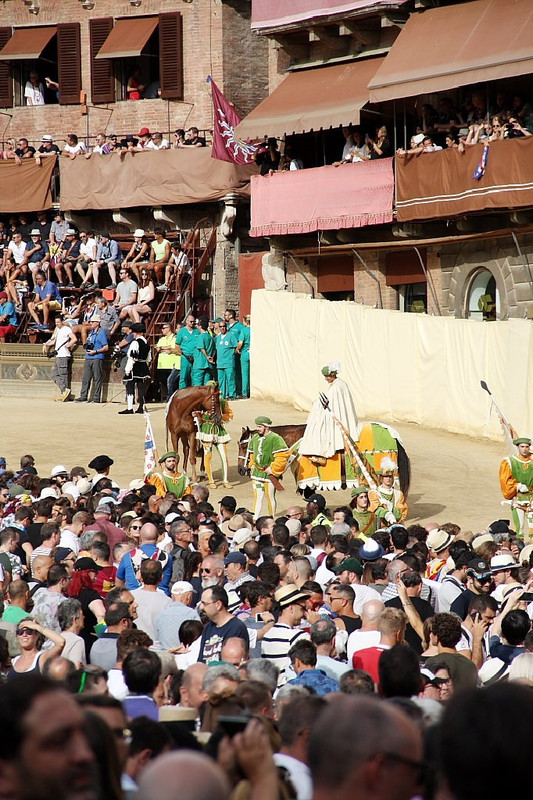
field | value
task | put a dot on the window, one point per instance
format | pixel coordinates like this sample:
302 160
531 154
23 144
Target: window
482 297
413 298
51 52
146 49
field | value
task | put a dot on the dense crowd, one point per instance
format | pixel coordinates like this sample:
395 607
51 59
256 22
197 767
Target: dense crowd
305 658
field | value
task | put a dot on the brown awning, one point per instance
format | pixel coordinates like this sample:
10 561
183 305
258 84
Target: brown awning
27 43
312 99
128 37
442 48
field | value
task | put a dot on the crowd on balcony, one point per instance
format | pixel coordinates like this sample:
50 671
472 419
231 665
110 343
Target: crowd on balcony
19 149
448 127
66 269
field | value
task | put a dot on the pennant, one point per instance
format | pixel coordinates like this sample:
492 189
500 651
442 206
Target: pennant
150 449
482 166
225 145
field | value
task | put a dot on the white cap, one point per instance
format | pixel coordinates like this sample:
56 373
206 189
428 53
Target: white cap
71 489
171 517
136 484
59 469
185 505
242 536
138 232
294 526
49 491
180 587
47 138
83 486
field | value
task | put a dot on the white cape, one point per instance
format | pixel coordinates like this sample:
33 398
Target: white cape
322 437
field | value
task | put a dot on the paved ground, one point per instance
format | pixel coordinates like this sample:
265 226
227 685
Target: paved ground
454 478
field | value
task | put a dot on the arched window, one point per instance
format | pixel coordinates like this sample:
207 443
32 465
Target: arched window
482 298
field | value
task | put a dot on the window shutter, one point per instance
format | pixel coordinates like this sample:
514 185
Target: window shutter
69 62
102 77
6 81
171 56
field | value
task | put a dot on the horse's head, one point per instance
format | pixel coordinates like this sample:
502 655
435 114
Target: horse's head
242 445
211 402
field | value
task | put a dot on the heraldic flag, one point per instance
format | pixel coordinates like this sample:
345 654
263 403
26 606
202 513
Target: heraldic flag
225 146
149 447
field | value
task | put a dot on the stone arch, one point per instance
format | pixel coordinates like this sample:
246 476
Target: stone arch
463 274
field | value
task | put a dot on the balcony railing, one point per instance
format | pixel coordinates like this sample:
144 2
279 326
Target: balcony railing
323 198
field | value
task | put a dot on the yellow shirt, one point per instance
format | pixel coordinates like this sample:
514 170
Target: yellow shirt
167 360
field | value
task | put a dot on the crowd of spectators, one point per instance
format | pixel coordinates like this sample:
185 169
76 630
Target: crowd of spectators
46 259
304 658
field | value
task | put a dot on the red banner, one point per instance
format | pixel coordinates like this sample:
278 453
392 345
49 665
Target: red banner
226 147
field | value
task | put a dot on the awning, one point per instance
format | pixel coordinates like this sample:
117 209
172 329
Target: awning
312 99
128 37
27 43
452 46
268 14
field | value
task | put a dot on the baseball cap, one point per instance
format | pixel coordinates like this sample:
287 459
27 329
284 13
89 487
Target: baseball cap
171 517
61 554
319 499
144 132
104 508
235 558
242 536
86 563
180 587
350 564
478 568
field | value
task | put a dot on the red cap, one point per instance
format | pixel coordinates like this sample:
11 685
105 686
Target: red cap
144 132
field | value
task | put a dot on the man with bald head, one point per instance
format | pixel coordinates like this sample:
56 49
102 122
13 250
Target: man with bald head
39 570
128 572
191 692
381 752
183 776
368 634
235 651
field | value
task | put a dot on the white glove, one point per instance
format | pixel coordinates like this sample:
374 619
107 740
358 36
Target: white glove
390 518
522 488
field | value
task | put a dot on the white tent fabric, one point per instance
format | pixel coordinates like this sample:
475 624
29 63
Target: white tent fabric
399 367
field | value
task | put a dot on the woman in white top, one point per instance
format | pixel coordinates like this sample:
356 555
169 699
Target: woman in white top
34 91
31 637
146 301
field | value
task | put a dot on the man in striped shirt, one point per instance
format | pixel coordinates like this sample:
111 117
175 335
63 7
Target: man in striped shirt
277 642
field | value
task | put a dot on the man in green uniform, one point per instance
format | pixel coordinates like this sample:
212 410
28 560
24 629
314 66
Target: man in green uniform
245 357
516 482
226 344
186 341
169 479
204 355
268 457
236 330
365 518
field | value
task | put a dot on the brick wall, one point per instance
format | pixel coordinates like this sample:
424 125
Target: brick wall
216 38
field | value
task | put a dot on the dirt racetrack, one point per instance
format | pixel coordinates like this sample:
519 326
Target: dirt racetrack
454 478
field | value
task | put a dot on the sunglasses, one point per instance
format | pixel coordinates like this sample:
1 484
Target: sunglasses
135 527
25 632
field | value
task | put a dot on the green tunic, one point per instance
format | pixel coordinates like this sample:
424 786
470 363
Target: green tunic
367 522
264 450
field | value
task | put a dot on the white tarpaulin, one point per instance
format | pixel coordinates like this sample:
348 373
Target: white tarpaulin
399 367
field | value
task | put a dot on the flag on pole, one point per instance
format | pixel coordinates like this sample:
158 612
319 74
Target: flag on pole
150 450
226 147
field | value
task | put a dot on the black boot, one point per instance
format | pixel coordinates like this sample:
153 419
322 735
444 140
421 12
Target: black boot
140 410
126 411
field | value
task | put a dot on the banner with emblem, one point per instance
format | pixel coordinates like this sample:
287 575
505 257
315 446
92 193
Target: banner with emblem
225 145
150 449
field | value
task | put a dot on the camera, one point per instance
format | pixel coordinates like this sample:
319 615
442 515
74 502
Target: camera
51 353
116 358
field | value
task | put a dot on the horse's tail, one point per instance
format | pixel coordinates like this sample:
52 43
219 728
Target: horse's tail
167 409
404 469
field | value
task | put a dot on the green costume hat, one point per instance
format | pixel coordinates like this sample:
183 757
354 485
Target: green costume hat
170 454
330 369
360 490
263 421
522 440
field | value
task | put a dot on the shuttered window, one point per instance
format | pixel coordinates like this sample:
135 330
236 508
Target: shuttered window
6 81
102 76
171 56
69 62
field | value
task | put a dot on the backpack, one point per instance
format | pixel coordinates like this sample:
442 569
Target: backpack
138 556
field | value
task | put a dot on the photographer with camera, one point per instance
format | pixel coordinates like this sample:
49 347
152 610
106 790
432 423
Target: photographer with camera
60 344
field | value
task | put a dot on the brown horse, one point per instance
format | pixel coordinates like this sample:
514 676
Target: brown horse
180 420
